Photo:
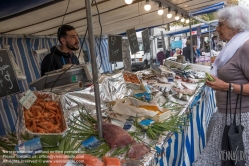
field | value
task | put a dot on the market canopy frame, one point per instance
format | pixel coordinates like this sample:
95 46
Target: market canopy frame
116 16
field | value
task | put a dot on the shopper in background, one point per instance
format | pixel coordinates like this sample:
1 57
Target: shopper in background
214 43
198 51
206 46
231 66
178 52
195 51
61 55
187 52
161 56
168 53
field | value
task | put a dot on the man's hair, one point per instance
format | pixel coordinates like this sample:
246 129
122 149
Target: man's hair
62 31
188 42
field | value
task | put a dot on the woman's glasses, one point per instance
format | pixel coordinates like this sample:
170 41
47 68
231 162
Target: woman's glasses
220 24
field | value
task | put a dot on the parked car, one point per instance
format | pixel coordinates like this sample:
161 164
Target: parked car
139 60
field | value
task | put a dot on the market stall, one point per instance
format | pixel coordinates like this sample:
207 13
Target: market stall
169 147
52 127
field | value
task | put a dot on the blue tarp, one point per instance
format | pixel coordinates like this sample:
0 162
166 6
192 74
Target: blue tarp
176 44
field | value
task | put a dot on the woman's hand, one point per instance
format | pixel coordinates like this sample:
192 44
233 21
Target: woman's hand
218 84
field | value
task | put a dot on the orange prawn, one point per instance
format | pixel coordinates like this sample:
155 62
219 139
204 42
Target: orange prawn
47 126
26 116
48 115
30 115
38 115
57 128
44 116
40 130
57 118
34 126
50 106
37 108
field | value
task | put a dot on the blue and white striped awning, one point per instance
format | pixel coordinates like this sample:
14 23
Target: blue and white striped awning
205 10
194 28
208 9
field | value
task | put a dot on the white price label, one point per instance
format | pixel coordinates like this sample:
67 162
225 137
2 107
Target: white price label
28 99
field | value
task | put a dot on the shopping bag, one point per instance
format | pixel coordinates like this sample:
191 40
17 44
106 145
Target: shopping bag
225 146
235 137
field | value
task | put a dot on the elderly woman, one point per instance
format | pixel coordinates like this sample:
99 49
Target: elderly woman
231 66
178 52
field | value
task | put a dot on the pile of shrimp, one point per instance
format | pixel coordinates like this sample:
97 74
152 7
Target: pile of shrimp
130 77
44 116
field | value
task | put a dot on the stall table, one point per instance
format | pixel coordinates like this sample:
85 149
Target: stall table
183 148
173 148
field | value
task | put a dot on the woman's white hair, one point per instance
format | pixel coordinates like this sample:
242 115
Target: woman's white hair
237 17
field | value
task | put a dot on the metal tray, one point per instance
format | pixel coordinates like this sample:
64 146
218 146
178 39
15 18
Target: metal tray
47 139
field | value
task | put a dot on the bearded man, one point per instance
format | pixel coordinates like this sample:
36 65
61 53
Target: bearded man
61 55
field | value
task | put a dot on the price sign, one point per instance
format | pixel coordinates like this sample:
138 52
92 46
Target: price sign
115 48
8 81
146 40
132 37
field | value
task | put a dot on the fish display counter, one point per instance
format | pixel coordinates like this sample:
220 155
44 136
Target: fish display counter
156 116
164 93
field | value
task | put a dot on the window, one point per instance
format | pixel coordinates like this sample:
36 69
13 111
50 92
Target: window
159 43
141 47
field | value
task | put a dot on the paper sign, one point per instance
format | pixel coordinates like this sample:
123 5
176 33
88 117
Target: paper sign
91 143
28 99
28 148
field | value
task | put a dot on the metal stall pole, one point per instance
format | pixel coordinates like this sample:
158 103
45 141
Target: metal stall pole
169 47
94 67
191 42
163 41
151 47
151 53
210 45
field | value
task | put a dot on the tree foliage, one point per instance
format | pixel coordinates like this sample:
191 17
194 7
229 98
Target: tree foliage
232 2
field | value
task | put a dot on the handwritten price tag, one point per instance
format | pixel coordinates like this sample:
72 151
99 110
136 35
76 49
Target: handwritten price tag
28 99
115 48
8 81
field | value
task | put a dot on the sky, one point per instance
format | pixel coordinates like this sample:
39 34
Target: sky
244 2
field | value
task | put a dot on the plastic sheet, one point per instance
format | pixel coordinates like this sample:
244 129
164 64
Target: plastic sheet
111 88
